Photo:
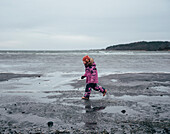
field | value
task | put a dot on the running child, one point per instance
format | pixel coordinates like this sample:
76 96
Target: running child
91 77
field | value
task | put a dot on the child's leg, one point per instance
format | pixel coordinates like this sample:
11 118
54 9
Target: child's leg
87 90
99 88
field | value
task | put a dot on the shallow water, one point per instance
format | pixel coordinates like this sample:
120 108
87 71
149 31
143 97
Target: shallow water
70 62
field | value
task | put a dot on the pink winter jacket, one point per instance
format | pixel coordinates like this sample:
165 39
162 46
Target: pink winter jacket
91 73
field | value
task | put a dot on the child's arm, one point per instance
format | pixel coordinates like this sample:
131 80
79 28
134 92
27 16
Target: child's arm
85 75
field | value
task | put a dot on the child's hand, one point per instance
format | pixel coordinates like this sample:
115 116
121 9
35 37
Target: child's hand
82 77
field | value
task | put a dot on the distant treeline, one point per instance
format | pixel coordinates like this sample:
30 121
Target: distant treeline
143 45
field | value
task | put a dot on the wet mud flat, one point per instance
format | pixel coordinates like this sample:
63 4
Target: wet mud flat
8 76
135 103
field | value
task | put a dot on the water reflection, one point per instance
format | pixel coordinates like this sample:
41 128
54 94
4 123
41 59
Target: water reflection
91 115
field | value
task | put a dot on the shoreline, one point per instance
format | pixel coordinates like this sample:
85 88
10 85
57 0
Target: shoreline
90 50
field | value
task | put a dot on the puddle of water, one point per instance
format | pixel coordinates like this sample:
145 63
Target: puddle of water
162 88
144 98
72 104
113 80
120 110
36 88
97 96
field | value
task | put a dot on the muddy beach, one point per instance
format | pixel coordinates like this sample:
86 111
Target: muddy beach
135 103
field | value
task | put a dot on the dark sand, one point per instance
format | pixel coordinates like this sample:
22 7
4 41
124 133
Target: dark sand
135 103
8 76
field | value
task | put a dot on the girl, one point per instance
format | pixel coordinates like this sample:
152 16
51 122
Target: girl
91 77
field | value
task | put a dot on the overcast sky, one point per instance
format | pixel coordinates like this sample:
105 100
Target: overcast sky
81 24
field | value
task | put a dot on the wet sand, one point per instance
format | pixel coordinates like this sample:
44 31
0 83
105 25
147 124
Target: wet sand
135 103
8 76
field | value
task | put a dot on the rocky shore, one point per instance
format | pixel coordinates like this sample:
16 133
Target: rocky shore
135 103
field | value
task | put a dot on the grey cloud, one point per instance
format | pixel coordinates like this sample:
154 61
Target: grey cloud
111 21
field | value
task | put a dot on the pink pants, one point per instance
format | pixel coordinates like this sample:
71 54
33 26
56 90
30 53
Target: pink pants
94 86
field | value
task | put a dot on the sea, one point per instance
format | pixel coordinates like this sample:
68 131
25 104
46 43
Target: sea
59 68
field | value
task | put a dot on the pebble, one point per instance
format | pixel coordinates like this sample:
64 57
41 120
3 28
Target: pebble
50 124
123 111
